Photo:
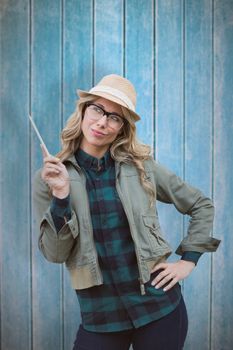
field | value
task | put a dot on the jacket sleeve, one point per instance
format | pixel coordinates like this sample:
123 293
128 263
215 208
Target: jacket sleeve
188 200
55 246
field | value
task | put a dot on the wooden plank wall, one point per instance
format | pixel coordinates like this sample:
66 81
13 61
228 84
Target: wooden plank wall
179 55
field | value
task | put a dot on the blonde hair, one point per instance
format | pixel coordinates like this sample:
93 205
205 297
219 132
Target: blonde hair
125 148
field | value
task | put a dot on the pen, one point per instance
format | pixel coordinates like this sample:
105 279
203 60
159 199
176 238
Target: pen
38 134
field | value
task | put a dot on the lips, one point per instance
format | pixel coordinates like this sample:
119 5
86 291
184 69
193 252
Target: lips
97 133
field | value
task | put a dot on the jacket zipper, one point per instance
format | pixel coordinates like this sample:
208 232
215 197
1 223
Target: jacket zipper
142 286
89 219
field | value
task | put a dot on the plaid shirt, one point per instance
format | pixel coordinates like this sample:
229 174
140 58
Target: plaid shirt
117 304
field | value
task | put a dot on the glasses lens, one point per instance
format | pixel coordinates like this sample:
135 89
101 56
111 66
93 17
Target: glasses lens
96 112
115 121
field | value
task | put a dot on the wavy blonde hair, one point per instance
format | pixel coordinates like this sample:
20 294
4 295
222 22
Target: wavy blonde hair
125 148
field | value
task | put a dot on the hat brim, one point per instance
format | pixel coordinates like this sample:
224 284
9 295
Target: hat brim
82 93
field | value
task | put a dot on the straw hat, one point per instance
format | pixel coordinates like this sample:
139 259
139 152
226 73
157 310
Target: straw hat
117 89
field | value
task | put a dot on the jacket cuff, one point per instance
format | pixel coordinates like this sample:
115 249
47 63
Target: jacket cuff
56 247
191 256
60 211
202 245
69 227
61 207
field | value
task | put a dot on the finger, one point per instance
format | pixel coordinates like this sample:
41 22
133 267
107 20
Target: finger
159 266
164 281
60 165
51 172
51 159
50 165
170 285
160 276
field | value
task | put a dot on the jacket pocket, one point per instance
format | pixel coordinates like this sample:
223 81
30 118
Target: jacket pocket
154 232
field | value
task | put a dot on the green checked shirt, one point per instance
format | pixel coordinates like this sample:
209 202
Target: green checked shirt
117 304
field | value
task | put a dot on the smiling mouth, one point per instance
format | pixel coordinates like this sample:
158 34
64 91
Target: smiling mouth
98 133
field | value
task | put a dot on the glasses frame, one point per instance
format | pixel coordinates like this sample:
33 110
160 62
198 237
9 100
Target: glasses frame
105 112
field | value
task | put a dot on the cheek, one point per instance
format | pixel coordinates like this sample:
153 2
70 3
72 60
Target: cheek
84 126
113 136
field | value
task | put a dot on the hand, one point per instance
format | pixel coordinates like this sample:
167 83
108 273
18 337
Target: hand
55 174
173 272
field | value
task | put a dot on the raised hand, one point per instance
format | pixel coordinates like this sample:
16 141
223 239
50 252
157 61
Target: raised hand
55 174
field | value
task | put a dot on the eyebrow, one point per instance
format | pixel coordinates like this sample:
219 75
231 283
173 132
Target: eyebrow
100 105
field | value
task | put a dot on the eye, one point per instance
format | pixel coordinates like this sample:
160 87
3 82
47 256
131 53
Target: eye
97 109
116 118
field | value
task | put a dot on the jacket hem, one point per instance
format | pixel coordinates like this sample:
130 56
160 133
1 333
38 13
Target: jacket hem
85 277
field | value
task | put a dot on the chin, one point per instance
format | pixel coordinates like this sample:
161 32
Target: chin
99 144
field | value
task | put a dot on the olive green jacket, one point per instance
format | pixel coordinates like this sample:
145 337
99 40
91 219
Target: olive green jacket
74 243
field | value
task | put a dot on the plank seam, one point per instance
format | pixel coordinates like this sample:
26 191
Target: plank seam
124 33
93 42
212 185
156 81
62 344
183 107
1 202
30 170
154 78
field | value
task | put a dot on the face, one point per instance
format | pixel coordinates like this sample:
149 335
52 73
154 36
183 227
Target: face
98 135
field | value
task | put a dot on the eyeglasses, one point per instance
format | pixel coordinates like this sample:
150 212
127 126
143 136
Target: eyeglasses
96 112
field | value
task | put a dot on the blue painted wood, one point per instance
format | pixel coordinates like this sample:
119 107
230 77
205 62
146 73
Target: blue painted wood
222 301
198 152
139 62
77 50
46 111
169 105
77 68
15 260
108 38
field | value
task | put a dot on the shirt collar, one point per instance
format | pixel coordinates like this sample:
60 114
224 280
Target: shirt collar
87 161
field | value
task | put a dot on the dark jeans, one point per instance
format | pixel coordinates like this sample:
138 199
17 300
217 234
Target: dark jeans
167 333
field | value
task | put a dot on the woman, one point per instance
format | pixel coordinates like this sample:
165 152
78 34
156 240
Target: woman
95 203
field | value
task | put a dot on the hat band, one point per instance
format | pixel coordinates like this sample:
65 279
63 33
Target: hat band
114 92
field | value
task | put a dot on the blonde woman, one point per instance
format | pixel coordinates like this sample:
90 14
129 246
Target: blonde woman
96 207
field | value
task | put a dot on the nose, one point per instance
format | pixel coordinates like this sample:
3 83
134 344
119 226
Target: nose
102 122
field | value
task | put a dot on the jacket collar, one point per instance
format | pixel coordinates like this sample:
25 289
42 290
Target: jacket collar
90 161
